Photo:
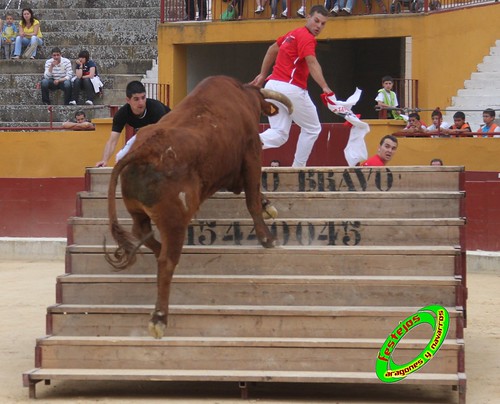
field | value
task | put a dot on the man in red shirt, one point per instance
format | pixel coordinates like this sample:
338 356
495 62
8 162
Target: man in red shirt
387 148
294 57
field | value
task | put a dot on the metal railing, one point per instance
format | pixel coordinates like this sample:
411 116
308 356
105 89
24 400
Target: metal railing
212 10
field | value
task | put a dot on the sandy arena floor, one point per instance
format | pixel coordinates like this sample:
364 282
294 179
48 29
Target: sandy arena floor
29 287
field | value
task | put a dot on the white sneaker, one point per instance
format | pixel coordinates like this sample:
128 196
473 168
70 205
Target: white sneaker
347 10
72 103
302 12
334 10
273 17
259 10
284 13
88 102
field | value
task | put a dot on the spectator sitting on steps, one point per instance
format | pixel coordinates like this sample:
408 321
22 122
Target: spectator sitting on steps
387 148
30 35
57 76
80 122
85 75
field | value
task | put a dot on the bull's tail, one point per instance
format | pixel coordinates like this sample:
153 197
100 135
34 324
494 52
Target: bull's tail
128 245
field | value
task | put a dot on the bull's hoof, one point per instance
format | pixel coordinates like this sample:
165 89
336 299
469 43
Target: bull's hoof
157 324
268 243
269 212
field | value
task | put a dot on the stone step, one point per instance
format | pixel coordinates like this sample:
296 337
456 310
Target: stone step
103 52
485 83
490 66
29 81
284 260
313 205
330 179
38 114
34 97
476 92
279 290
92 13
476 101
492 76
44 4
125 26
106 66
294 232
239 321
88 38
264 354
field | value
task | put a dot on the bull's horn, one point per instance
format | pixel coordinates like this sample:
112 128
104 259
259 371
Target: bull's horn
274 95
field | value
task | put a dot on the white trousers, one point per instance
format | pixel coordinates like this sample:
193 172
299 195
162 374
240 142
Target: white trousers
304 114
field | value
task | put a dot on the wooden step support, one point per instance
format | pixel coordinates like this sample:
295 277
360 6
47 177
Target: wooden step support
359 250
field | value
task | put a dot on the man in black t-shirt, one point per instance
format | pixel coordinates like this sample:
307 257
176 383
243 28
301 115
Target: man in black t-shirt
138 112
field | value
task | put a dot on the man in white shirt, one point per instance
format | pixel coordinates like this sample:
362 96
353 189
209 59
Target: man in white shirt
57 76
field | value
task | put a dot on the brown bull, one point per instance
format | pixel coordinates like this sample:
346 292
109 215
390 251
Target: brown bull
208 142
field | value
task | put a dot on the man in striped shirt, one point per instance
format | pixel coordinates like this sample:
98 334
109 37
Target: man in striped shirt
57 76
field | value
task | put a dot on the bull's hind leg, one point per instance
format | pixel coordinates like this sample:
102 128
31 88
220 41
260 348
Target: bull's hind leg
254 203
171 249
143 231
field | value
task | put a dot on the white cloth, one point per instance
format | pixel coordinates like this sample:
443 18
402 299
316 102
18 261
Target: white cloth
125 148
97 83
304 114
355 151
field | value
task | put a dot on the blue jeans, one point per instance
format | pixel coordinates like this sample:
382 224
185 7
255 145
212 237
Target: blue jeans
48 84
22 42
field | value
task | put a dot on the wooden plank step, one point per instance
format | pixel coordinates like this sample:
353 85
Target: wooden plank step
285 260
233 376
312 205
240 321
341 290
293 231
332 179
307 354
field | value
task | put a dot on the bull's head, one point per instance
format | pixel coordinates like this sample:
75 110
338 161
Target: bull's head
269 108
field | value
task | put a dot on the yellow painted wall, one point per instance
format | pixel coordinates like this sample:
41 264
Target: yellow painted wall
53 154
67 153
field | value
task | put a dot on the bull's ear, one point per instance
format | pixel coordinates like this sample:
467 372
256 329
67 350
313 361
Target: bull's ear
270 109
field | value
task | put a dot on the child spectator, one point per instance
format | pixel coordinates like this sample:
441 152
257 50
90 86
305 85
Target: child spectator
459 124
85 75
437 123
30 35
80 122
57 76
414 124
387 148
9 33
489 127
387 98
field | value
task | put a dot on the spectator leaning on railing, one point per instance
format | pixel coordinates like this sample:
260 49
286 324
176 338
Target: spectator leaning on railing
57 76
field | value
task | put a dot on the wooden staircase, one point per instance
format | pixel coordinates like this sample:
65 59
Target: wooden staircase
360 249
